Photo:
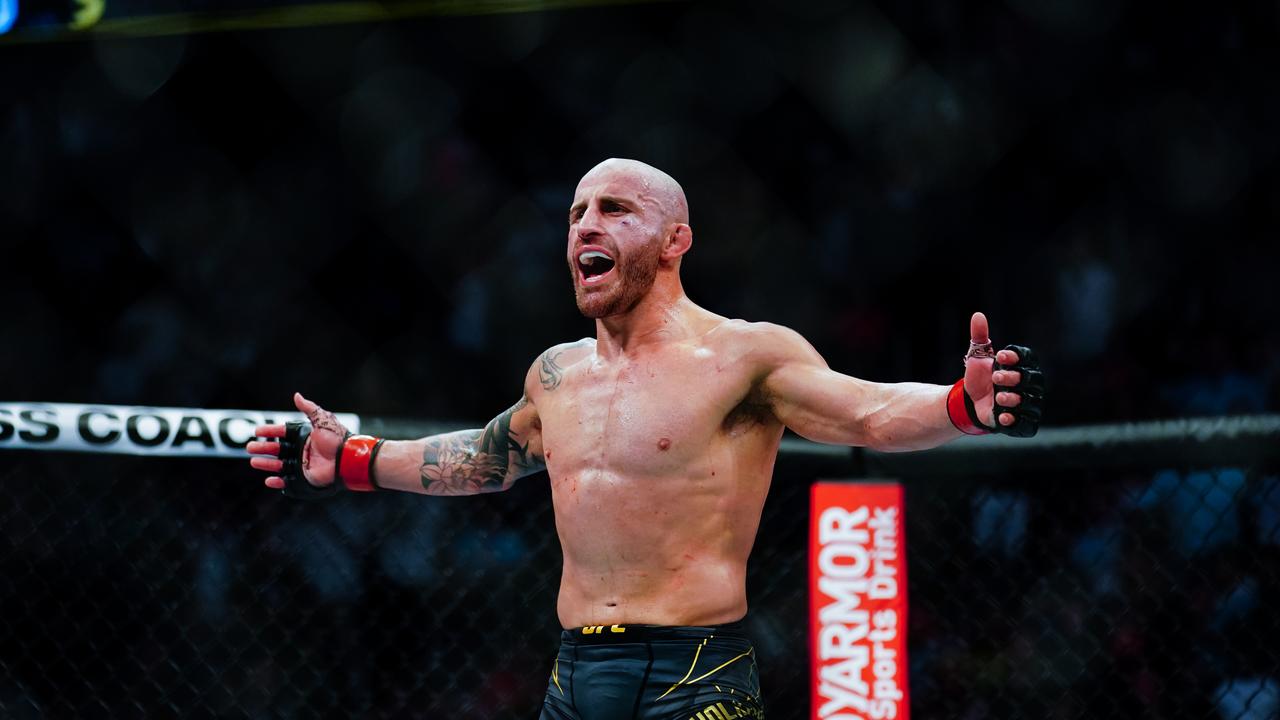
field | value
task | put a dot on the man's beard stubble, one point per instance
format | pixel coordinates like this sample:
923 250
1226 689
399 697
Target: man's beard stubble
633 282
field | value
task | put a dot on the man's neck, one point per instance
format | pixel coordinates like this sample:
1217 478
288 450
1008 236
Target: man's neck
663 314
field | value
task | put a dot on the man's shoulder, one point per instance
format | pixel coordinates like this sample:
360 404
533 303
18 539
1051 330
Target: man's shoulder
759 348
548 369
757 338
569 351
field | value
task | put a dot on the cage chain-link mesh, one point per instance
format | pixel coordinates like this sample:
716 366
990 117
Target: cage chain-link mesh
141 587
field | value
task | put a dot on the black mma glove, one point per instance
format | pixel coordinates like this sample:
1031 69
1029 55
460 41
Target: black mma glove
296 484
1026 414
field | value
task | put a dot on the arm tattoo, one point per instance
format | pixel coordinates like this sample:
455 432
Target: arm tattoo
549 372
477 461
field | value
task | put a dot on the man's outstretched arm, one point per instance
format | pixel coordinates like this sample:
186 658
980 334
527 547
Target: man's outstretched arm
826 406
465 462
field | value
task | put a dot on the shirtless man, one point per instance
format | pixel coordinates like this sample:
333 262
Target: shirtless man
659 437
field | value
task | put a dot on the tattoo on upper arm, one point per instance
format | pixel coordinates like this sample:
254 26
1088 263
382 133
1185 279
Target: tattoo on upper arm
476 461
549 373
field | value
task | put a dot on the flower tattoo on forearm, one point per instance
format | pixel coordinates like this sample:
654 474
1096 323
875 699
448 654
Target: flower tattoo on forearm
478 461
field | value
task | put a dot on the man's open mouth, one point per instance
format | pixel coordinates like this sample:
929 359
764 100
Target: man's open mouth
594 266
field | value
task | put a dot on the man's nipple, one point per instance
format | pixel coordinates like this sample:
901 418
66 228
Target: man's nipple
664 444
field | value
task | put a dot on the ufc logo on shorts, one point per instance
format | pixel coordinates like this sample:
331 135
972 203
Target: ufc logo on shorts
720 712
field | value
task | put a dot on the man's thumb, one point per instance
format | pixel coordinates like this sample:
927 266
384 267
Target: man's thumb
978 331
304 405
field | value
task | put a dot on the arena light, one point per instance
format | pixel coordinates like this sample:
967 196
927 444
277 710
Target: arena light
86 14
92 16
8 15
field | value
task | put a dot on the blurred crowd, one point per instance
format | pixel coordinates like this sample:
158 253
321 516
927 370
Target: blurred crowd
1132 594
375 214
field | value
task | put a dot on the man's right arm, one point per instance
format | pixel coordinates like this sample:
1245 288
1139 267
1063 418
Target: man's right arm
466 462
469 462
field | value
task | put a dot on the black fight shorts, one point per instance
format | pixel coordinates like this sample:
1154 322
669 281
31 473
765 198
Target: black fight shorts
653 672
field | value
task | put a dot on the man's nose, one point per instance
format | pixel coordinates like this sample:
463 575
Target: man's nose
589 225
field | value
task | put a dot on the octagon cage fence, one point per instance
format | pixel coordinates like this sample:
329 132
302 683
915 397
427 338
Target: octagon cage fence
1113 571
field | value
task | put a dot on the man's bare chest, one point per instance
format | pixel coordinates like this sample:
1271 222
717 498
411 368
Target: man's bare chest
647 416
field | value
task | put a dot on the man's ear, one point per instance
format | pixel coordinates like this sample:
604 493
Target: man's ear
679 240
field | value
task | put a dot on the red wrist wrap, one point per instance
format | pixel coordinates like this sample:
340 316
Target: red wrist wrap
355 466
958 411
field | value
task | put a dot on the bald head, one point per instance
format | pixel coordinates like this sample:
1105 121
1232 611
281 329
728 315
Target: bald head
654 185
628 231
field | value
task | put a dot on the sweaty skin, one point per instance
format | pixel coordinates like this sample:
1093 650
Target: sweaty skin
660 434
657 489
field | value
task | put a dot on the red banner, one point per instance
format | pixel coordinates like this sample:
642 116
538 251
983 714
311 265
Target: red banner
857 602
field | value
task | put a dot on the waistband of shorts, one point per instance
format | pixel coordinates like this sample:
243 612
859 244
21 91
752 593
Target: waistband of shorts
617 634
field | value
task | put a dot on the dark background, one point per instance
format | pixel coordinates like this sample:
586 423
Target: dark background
375 214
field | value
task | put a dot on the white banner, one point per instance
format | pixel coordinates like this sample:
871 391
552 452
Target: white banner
137 430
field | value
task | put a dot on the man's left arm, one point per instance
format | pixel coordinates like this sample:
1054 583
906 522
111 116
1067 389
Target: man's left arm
828 407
